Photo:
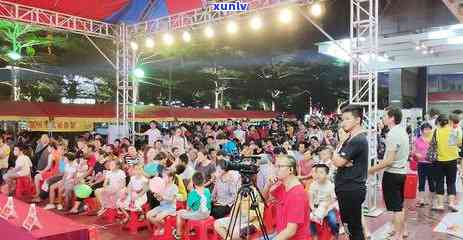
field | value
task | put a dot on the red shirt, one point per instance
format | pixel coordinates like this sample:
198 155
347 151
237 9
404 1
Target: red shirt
292 207
91 161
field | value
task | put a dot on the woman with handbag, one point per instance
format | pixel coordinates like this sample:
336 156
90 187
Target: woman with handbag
425 167
448 139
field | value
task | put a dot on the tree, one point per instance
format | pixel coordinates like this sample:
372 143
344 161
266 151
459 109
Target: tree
21 41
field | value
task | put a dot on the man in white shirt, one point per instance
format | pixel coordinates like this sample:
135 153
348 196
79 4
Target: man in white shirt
240 134
153 134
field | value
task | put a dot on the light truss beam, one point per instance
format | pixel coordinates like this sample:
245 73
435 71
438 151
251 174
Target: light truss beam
363 83
203 16
55 20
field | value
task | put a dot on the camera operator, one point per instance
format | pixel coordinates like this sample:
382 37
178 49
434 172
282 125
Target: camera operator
292 203
226 186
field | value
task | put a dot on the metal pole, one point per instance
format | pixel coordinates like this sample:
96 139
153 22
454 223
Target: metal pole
16 88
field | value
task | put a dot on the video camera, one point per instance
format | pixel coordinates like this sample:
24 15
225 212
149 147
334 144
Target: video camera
246 166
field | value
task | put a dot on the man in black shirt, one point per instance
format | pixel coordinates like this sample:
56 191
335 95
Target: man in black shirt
352 162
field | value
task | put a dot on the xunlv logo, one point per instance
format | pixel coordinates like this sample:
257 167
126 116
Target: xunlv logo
230 6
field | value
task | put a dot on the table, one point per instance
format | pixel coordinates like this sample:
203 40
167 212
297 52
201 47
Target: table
55 227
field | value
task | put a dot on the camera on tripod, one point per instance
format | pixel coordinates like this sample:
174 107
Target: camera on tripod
246 166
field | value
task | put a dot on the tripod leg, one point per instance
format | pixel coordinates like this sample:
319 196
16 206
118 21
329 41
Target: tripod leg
259 216
234 216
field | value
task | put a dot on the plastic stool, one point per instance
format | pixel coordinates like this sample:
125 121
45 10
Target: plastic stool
92 205
110 215
133 225
169 226
323 231
24 186
411 182
201 227
181 205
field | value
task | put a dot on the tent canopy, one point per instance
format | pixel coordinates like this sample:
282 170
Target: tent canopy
105 112
115 11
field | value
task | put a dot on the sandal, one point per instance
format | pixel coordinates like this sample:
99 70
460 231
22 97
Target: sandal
453 209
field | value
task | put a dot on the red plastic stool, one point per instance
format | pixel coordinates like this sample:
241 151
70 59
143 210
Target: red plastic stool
169 226
323 231
92 205
181 205
134 224
201 227
411 182
24 186
110 215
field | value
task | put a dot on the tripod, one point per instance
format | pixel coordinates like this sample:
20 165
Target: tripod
247 191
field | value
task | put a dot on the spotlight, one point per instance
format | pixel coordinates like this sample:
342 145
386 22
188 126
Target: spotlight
285 16
168 39
425 52
256 23
186 36
14 55
209 32
149 43
138 73
134 46
316 9
431 51
232 27
417 47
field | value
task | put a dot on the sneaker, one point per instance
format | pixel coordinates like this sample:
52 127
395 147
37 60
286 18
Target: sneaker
59 207
49 206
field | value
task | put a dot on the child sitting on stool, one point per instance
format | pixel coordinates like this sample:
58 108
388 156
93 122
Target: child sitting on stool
322 201
199 204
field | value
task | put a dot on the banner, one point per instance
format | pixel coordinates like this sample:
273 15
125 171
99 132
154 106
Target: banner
60 125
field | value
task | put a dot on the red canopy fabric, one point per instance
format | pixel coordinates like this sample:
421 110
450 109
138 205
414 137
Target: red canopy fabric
92 9
107 112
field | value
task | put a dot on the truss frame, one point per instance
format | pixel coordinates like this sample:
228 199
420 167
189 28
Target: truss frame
56 20
202 16
363 82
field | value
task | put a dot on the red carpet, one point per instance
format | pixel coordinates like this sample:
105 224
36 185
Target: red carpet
55 227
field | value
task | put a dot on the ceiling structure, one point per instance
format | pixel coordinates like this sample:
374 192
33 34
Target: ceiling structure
436 46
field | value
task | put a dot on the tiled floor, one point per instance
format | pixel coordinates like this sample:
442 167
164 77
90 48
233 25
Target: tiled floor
421 222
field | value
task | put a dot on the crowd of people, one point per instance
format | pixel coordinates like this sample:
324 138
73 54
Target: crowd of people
309 172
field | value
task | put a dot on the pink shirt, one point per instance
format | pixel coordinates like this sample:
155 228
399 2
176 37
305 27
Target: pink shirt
305 167
421 147
292 207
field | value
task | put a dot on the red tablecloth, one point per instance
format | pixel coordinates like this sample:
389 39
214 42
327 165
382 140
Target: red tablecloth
55 227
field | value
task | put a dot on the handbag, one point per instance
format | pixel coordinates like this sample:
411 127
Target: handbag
431 154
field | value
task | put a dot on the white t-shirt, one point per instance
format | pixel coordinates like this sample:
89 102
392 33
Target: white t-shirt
153 135
70 169
240 134
23 162
116 179
137 183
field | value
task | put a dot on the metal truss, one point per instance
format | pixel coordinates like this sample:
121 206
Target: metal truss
126 99
55 20
203 16
363 83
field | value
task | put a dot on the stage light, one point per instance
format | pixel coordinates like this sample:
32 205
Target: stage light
232 27
149 43
134 46
14 55
425 52
316 9
285 16
431 51
417 47
186 36
139 73
209 32
455 40
256 23
168 39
